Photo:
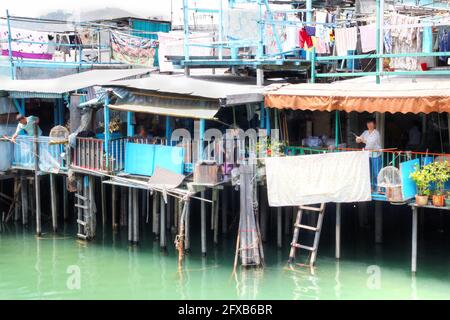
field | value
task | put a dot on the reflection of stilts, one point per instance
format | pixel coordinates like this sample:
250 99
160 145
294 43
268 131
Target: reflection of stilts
303 290
248 282
337 287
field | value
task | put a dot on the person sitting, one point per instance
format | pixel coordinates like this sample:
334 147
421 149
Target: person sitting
26 124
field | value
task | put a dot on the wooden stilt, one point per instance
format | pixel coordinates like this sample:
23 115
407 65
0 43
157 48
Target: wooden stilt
187 239
65 199
135 216
263 210
31 194
155 209
123 207
130 215
17 201
203 224
279 228
338 230
162 239
54 206
378 222
24 188
103 199
37 182
224 210
114 207
216 215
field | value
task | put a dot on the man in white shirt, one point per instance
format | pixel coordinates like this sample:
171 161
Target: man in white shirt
26 124
371 139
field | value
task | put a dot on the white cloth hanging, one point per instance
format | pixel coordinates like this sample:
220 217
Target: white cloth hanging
346 39
329 177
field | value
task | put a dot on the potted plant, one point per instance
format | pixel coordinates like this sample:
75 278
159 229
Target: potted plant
439 172
422 179
447 199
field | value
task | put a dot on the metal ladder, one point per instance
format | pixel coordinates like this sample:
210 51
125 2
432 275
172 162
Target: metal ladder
297 226
83 213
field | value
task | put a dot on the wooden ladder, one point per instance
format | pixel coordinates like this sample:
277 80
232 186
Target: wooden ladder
297 226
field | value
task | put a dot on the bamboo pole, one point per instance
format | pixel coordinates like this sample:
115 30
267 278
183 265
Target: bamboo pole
53 202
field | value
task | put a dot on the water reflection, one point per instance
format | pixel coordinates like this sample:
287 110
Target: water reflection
248 282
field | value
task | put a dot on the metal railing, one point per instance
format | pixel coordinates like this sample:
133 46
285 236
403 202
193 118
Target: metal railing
379 158
51 155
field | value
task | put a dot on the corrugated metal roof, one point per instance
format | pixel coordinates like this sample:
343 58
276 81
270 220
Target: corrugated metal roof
68 83
234 93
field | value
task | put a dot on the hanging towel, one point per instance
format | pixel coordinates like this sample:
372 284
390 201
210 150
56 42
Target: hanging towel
346 39
368 36
291 38
29 44
330 177
427 39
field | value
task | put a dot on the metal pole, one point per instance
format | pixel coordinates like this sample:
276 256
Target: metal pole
279 228
378 38
37 182
135 216
106 131
414 240
10 55
378 222
103 199
186 32
162 239
65 199
130 214
203 223
187 240
216 215
336 133
53 203
338 230
224 210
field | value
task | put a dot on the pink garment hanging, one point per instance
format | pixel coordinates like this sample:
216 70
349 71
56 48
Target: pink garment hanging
368 36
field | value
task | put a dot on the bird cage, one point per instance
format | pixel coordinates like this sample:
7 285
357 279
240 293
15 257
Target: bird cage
389 178
59 135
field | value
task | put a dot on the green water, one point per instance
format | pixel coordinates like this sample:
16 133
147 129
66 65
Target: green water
109 268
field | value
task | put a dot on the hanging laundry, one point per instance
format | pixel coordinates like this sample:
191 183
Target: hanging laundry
321 46
427 39
405 40
321 19
133 50
291 38
304 39
368 36
311 31
26 44
346 39
444 43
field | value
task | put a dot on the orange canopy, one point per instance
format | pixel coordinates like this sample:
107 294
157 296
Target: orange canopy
404 97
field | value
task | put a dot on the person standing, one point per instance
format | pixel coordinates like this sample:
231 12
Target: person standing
372 141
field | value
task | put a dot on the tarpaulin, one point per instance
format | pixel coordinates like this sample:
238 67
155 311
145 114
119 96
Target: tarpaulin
311 179
133 50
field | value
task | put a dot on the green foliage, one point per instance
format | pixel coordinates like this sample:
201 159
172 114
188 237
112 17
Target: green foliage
436 172
422 178
440 173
